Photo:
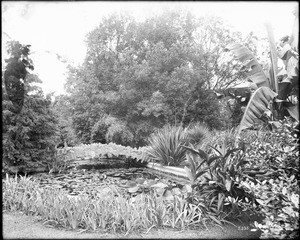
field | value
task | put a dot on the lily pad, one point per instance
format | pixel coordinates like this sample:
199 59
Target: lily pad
136 198
187 188
168 195
159 185
140 180
130 184
133 189
160 191
149 183
176 191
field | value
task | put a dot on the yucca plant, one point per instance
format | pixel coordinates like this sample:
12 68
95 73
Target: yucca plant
165 145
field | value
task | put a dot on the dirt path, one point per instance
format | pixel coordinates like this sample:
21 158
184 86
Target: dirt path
19 226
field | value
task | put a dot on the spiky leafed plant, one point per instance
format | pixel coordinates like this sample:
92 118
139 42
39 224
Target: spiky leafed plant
165 145
199 134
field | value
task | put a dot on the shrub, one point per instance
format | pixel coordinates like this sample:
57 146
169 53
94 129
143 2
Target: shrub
273 151
198 135
217 139
215 181
120 134
165 145
273 157
113 129
98 131
278 200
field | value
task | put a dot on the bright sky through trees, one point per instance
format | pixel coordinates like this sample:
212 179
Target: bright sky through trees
59 28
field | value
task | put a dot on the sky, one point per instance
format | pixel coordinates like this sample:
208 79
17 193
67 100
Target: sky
59 28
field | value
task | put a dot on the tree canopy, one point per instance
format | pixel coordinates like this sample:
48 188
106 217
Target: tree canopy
139 76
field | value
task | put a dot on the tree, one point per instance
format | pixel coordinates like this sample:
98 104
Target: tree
145 75
15 73
29 133
61 106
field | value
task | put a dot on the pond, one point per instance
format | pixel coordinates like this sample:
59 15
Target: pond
127 181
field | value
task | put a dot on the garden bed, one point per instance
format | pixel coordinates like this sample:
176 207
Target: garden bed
126 187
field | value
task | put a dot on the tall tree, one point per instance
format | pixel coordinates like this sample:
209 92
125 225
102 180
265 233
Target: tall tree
28 134
15 73
147 74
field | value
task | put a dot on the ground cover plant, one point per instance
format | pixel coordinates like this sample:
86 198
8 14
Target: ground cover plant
215 181
273 158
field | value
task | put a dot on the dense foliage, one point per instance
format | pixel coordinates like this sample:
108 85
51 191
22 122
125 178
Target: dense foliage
160 76
140 76
215 181
107 212
67 136
165 145
261 177
15 73
28 134
273 157
277 90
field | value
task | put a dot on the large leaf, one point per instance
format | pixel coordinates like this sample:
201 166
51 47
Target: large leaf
257 105
255 73
294 111
228 184
273 55
133 189
200 173
295 33
199 152
192 164
189 174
